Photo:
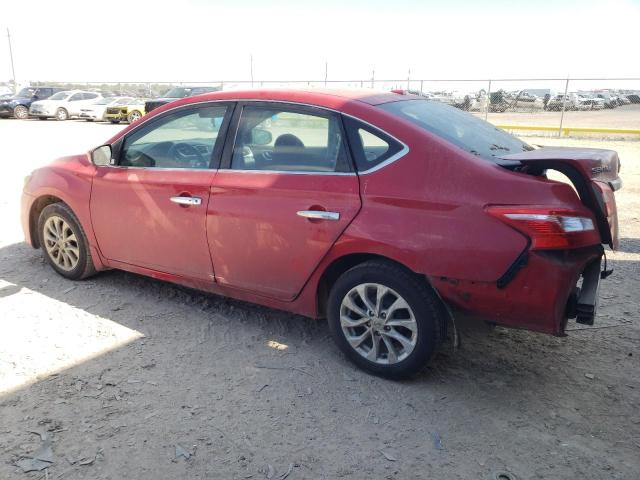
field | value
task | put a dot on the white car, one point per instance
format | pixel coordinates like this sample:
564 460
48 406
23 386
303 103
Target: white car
98 109
63 105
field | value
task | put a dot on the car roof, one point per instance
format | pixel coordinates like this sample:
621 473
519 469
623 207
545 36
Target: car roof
329 98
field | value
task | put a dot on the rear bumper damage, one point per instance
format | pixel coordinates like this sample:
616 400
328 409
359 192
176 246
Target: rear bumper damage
540 296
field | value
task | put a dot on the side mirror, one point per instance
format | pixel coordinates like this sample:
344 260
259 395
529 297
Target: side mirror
101 156
261 137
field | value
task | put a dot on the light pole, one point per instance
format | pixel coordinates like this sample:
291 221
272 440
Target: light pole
251 68
13 70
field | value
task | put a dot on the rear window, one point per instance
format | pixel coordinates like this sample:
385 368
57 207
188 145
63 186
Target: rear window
460 128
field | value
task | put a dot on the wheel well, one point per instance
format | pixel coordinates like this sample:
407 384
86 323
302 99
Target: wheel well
36 209
341 265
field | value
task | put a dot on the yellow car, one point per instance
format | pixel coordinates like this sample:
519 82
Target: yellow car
128 111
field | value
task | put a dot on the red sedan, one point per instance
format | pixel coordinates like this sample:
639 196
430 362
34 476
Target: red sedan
383 212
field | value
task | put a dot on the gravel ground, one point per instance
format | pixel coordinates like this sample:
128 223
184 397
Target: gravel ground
123 376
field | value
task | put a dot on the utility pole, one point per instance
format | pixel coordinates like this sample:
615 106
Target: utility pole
326 72
373 77
13 70
251 68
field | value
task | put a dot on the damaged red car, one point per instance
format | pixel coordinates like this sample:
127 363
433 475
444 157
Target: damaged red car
385 213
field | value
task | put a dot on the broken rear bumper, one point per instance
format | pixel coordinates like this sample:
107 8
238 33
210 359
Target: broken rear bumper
537 297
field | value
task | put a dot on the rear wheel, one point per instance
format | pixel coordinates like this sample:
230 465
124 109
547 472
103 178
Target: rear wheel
64 243
21 112
385 319
134 116
62 114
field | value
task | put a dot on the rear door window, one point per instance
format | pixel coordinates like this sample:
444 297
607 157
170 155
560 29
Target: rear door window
289 139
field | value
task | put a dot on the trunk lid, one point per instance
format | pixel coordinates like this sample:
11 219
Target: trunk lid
593 172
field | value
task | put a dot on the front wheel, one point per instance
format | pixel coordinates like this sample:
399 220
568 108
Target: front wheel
62 114
64 243
21 112
385 319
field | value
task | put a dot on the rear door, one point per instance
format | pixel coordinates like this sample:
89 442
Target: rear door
283 197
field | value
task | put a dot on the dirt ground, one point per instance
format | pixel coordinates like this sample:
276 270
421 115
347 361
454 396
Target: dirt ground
122 376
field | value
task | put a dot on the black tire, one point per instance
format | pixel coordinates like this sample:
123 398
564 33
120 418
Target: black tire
21 112
84 267
429 313
43 118
114 121
62 114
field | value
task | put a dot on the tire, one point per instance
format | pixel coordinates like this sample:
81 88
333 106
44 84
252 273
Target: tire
425 315
114 121
134 116
21 112
58 221
43 118
62 115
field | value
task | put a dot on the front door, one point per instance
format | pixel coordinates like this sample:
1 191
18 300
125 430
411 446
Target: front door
286 193
149 209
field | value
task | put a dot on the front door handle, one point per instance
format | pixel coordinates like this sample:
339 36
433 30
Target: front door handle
319 215
186 200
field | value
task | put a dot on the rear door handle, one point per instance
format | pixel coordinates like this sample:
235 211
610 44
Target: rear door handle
186 200
319 215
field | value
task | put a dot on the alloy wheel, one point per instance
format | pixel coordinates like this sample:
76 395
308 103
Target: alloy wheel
134 117
378 323
61 243
21 112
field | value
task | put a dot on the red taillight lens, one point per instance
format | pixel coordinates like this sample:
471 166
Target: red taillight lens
549 228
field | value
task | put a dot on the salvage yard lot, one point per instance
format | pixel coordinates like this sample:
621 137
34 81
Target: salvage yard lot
129 376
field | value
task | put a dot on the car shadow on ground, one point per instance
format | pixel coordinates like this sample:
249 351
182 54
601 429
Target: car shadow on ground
253 378
133 301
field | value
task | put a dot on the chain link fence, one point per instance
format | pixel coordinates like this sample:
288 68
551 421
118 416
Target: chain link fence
548 106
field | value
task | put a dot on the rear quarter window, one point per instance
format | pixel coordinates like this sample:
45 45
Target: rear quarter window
370 147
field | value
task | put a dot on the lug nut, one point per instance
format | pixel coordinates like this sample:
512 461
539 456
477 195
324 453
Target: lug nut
383 315
387 328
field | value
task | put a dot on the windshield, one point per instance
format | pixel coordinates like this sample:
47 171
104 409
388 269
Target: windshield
178 92
460 128
59 96
26 92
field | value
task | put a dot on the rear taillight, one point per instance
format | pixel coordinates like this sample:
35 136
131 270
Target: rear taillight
549 228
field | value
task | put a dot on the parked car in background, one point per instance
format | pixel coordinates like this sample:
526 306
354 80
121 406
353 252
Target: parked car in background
129 111
176 93
384 213
18 106
570 103
97 110
63 105
610 101
589 102
623 100
4 96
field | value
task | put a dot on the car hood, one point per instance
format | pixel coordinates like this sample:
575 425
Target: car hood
14 99
45 103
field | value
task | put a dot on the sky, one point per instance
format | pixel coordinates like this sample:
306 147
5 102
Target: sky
206 40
